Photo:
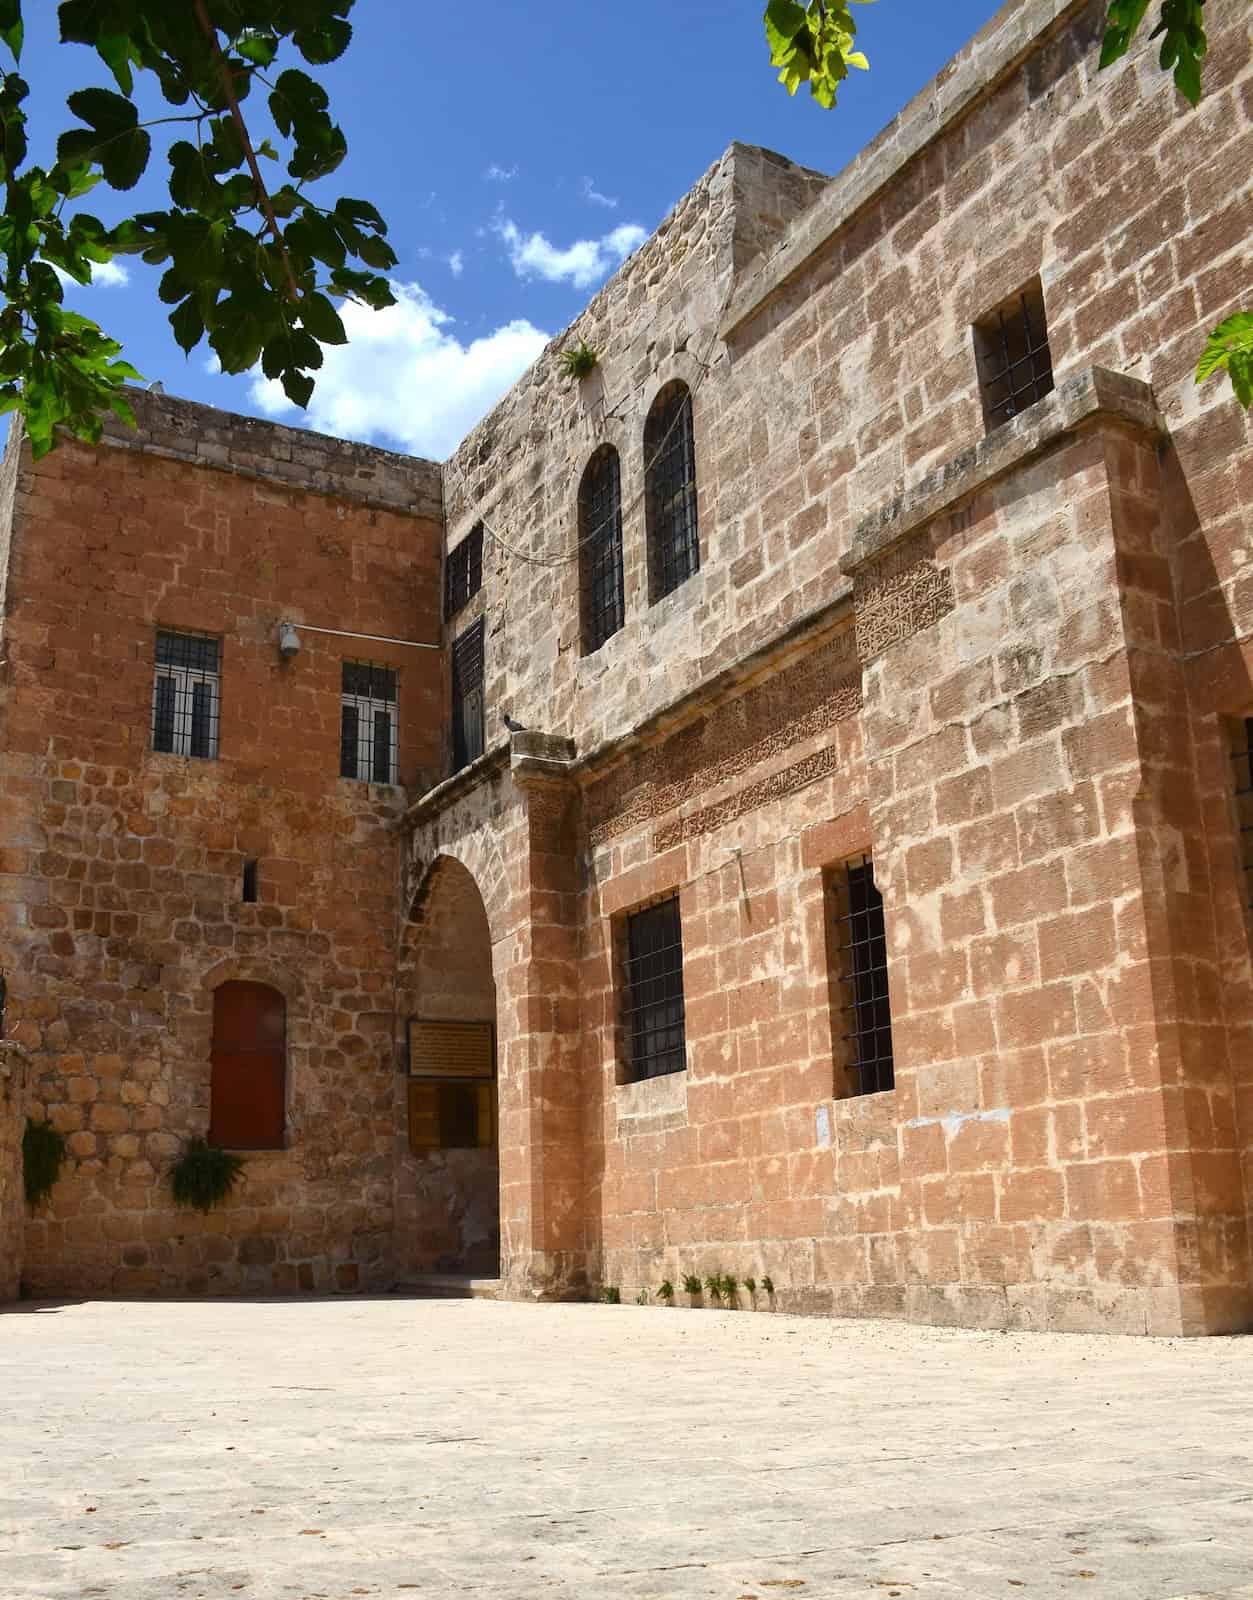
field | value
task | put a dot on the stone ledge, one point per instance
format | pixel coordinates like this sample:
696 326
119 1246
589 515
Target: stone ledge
438 799
995 51
1093 393
290 458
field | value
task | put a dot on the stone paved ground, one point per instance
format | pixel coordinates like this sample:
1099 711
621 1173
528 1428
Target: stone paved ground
393 1447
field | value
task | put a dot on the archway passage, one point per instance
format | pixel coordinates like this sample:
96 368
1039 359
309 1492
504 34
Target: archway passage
448 1187
248 1072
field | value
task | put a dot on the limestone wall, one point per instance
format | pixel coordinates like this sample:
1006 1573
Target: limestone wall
1005 663
121 896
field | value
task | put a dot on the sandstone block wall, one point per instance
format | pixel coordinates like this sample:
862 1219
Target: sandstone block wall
1008 667
121 904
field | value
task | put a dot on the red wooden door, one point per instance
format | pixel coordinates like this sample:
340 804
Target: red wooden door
248 1086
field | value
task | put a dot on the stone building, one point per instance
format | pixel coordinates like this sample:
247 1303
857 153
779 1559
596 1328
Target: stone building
820 848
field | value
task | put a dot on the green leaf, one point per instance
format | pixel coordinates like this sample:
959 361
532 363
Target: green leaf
114 49
258 45
101 109
1125 17
324 41
361 212
11 26
188 325
321 319
1229 348
298 388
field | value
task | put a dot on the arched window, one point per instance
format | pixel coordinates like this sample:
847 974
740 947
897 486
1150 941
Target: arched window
600 548
670 491
248 1083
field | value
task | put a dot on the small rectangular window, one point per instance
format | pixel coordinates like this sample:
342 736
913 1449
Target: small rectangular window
860 951
250 883
654 1011
463 572
468 732
1012 356
186 694
367 723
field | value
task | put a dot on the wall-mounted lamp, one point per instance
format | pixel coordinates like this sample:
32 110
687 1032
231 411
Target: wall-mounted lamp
288 641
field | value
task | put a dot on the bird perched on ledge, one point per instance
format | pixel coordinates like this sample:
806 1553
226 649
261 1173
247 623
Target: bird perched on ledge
513 724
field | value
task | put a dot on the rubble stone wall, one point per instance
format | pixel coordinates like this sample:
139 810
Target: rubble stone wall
121 875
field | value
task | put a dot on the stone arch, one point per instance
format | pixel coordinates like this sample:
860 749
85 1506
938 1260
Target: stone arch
477 850
448 1194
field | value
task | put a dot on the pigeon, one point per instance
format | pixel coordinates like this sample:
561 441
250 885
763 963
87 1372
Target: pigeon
513 725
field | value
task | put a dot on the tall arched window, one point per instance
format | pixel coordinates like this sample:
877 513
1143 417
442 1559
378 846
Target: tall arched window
600 548
670 491
248 1083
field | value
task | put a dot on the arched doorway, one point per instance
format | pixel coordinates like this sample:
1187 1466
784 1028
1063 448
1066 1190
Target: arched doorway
448 1174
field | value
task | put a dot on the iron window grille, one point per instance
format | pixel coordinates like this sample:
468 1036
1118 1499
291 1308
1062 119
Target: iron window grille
1243 759
368 734
463 572
600 547
654 1013
670 491
468 734
862 955
186 694
1012 356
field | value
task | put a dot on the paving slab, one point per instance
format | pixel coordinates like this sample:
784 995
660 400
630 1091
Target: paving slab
327 1449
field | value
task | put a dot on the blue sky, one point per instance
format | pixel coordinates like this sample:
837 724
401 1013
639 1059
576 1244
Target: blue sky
517 152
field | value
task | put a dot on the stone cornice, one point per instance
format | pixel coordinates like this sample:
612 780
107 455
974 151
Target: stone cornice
1090 396
995 52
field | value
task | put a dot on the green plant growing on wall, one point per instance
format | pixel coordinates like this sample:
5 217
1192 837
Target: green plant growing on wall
750 1288
767 1287
730 1288
713 1286
665 1291
43 1152
691 1286
579 361
204 1175
611 1295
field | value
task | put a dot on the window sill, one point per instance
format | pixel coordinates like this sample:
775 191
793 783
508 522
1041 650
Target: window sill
649 1098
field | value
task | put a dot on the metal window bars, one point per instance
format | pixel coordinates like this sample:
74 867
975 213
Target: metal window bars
186 694
1243 760
654 1012
468 732
670 490
463 572
862 954
368 733
600 548
1013 358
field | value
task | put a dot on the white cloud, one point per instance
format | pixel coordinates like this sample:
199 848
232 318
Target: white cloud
583 263
404 381
495 174
456 263
592 193
104 275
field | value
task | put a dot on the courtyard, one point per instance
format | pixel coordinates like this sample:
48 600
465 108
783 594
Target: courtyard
323 1449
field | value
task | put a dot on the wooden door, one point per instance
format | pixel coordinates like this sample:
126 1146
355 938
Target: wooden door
248 1094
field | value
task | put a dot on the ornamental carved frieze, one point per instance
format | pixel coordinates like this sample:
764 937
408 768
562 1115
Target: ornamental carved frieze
759 725
898 595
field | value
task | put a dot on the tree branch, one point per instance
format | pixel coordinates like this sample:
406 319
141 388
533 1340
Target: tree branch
263 194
